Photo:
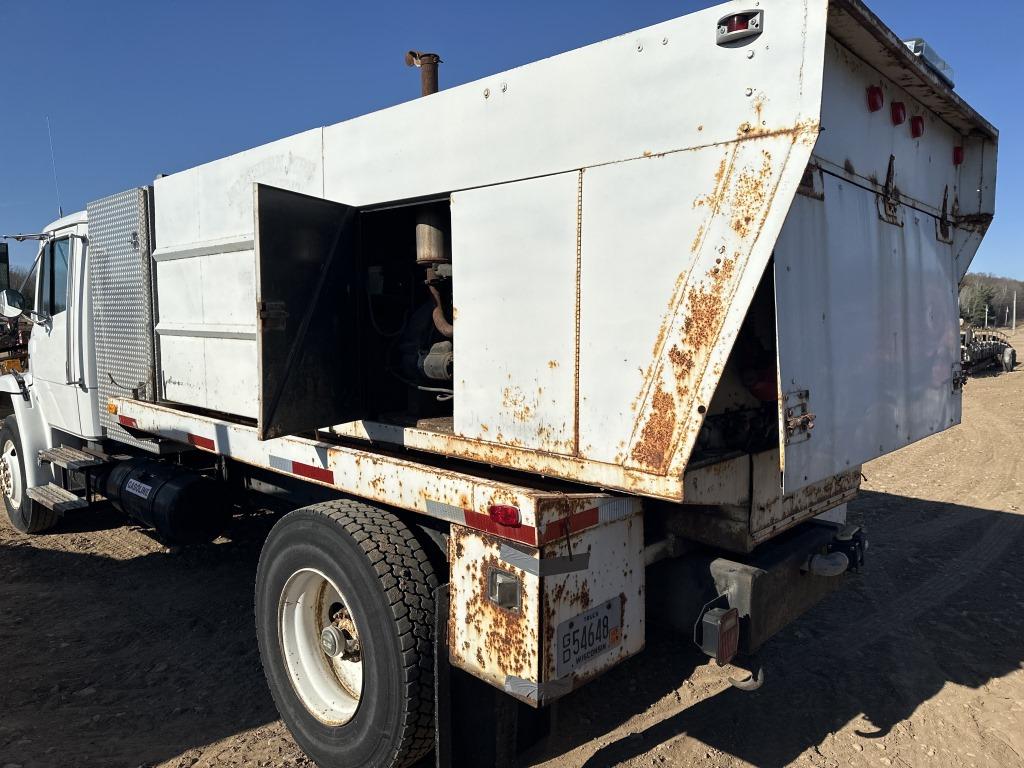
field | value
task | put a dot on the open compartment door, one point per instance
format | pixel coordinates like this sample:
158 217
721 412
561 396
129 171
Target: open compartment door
306 299
867 325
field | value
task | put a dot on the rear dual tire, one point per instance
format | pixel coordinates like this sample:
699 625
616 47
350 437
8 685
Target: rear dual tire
359 569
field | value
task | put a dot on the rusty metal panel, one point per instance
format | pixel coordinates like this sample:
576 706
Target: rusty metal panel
698 228
867 326
614 581
488 641
588 581
724 482
772 510
514 256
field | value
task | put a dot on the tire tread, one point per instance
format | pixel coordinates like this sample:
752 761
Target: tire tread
408 582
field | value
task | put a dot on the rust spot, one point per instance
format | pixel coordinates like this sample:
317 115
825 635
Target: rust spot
805 130
552 364
505 643
748 194
697 238
717 193
582 598
656 438
515 401
848 167
759 101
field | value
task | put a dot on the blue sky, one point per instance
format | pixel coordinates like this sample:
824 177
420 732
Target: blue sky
134 89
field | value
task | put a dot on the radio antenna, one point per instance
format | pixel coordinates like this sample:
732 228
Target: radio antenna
53 165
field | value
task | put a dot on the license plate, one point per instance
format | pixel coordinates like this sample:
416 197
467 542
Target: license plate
588 635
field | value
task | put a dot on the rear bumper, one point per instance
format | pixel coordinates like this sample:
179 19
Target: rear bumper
769 589
775 588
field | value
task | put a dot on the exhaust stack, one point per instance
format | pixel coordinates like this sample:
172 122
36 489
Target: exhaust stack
427 63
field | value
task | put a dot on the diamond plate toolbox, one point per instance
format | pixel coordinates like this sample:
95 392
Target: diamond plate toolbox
120 274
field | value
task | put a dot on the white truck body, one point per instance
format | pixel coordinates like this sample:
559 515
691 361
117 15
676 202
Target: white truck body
695 277
644 210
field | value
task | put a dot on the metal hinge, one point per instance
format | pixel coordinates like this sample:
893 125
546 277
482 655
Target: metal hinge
273 315
943 224
799 420
959 378
889 208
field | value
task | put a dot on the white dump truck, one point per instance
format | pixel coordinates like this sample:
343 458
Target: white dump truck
519 353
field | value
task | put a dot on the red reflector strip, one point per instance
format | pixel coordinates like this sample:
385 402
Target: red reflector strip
201 442
313 473
127 421
577 522
524 534
321 475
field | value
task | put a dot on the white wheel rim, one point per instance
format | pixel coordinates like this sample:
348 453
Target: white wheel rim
10 474
330 688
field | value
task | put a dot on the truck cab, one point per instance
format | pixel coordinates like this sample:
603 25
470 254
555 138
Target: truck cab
61 359
56 401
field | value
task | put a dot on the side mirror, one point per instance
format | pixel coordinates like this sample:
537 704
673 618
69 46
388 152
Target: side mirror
12 304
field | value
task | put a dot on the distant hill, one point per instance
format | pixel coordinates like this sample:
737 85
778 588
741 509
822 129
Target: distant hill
980 290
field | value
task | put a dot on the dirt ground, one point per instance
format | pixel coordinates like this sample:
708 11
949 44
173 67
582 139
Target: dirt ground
114 652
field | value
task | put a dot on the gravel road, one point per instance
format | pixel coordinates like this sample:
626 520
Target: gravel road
114 652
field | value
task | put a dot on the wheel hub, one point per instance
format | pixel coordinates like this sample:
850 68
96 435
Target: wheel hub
321 647
10 474
6 484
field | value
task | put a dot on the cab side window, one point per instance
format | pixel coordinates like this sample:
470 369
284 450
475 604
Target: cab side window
52 296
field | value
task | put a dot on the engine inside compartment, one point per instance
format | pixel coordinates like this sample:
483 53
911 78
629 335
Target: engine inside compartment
406 273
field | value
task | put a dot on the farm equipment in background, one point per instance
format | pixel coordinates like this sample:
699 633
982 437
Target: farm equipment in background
13 333
982 348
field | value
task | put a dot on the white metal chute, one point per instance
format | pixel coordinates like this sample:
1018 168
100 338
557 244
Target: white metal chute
867 268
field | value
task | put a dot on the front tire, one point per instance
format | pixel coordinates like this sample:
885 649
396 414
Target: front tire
25 515
344 621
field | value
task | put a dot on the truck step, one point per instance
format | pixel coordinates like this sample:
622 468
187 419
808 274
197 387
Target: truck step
69 458
52 496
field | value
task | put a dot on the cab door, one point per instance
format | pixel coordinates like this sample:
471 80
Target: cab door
51 360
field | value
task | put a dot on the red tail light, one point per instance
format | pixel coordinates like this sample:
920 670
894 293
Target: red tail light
876 99
720 637
505 514
958 155
739 22
917 126
899 113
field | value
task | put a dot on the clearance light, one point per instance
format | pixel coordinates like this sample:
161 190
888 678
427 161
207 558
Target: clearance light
899 113
737 26
917 126
112 407
958 155
876 99
505 514
740 21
